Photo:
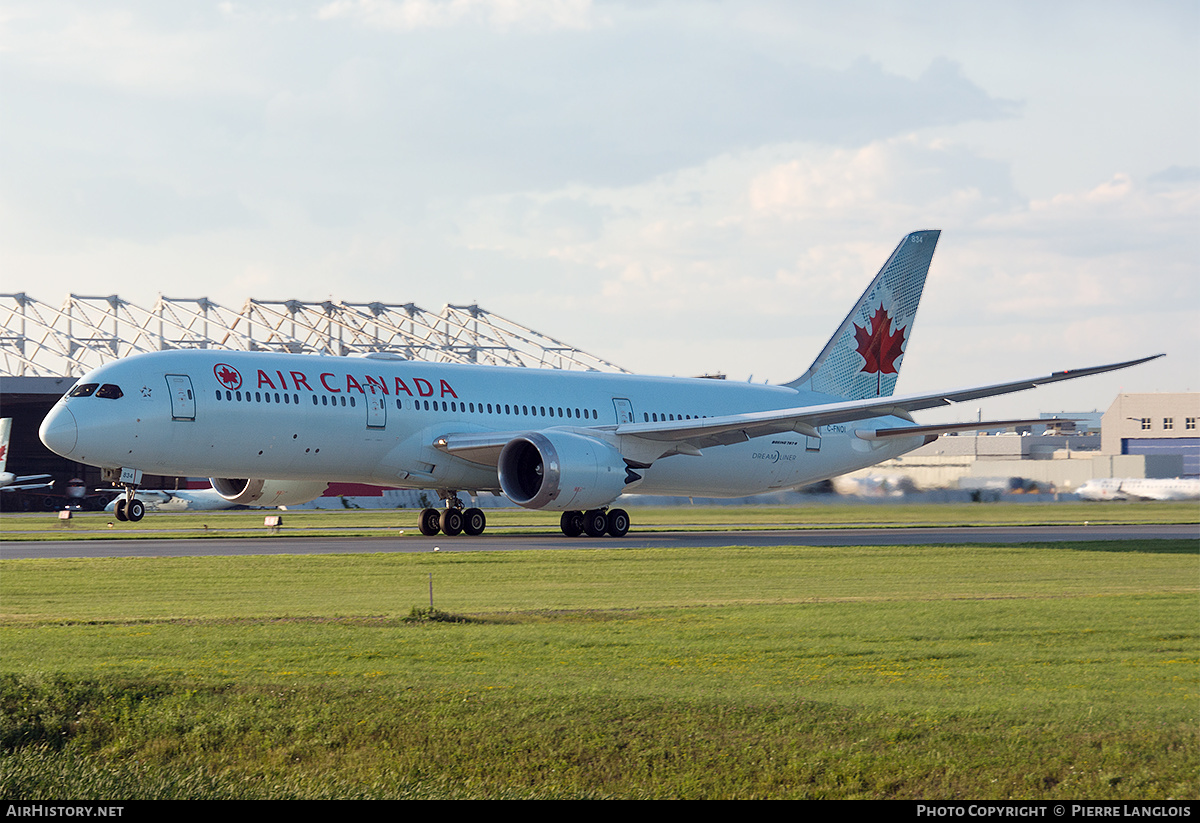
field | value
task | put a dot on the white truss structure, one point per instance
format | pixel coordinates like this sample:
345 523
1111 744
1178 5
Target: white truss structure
40 340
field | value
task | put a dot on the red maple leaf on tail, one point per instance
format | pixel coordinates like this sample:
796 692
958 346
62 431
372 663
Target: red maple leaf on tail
879 347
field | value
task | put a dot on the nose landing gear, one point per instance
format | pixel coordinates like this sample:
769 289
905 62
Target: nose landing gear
129 507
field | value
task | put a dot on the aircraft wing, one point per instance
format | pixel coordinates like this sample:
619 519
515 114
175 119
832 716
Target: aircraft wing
689 436
478 447
805 419
32 481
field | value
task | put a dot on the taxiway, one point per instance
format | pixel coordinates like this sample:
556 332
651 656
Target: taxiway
411 543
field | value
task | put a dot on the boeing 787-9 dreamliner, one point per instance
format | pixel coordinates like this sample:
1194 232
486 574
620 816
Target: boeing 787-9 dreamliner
275 429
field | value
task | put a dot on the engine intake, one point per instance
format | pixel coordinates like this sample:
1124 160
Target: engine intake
560 471
267 492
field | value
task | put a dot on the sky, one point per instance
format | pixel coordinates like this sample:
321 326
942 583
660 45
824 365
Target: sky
676 187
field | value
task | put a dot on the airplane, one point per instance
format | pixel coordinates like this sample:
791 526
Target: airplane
1141 488
274 428
164 500
9 481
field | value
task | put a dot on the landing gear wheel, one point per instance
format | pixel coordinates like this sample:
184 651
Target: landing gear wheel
474 522
119 509
618 522
429 522
571 523
136 510
452 522
595 523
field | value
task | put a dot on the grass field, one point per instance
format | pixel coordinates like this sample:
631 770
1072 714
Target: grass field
821 514
1058 671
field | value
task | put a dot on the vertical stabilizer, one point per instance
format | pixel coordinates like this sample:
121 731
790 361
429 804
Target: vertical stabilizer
863 357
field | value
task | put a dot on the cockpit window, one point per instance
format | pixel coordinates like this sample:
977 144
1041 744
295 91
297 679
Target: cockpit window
111 391
83 390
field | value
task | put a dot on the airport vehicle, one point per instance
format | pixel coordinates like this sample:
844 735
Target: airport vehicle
273 429
9 481
1141 488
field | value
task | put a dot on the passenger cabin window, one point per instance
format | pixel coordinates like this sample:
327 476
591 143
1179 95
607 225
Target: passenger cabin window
110 390
84 390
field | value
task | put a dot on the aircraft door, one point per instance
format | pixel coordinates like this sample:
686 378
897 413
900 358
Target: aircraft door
376 411
624 410
183 401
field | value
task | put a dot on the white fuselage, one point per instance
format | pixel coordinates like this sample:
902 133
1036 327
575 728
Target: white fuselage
1141 488
368 420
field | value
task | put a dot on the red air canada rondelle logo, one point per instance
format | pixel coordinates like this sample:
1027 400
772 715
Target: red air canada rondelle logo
228 376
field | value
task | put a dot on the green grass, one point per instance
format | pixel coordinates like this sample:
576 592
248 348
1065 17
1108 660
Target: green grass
822 513
1056 671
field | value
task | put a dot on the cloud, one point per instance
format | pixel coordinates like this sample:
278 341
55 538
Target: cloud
759 213
137 51
377 107
767 248
927 178
623 176
410 15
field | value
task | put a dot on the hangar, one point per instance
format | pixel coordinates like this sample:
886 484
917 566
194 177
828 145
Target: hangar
1155 424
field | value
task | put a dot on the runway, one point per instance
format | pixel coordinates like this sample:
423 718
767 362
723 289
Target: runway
415 543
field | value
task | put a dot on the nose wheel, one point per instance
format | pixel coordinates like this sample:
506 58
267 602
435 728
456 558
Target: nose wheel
129 508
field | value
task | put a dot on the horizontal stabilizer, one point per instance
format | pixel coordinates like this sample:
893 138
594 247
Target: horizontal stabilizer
984 425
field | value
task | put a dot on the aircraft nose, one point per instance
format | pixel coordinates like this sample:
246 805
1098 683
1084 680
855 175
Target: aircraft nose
59 431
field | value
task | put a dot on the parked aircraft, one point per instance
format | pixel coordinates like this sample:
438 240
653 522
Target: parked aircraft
1141 488
163 500
273 429
9 481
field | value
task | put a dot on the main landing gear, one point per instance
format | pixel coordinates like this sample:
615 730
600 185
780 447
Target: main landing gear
595 523
452 520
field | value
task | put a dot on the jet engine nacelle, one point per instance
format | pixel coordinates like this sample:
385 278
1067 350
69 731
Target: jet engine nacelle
267 492
560 471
